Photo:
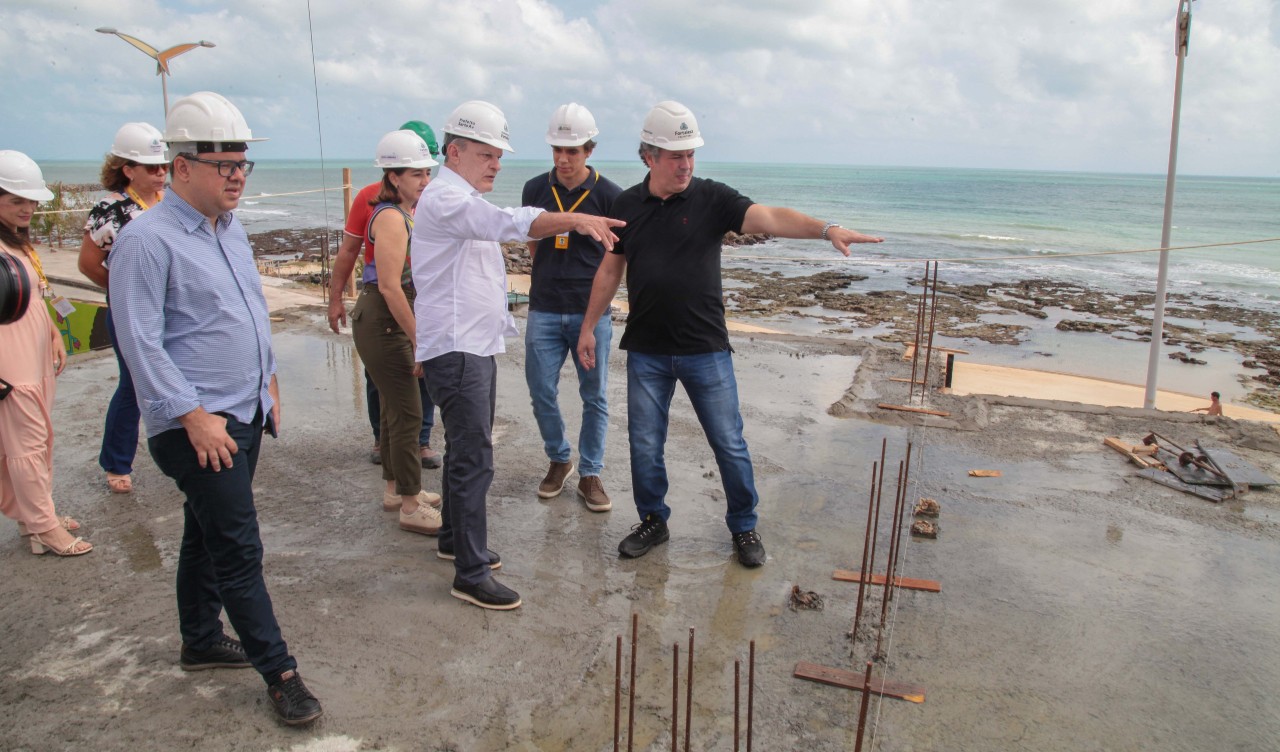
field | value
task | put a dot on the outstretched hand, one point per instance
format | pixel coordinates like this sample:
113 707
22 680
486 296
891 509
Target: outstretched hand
842 238
598 228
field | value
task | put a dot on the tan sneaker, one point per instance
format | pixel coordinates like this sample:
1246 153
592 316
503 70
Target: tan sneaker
425 519
553 484
391 501
591 491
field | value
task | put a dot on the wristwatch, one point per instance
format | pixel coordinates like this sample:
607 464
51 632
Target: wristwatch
828 227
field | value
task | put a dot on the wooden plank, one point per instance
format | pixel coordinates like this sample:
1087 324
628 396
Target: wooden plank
984 473
907 409
906 583
904 380
1165 478
838 677
1239 471
910 351
1127 450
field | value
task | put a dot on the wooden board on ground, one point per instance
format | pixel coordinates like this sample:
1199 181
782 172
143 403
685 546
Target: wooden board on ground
838 677
1165 478
1128 451
984 473
1238 470
909 409
906 583
910 352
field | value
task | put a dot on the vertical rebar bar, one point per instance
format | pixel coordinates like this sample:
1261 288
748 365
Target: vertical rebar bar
902 516
862 712
617 693
751 690
688 696
737 691
631 688
915 352
866 545
675 694
893 541
933 323
875 524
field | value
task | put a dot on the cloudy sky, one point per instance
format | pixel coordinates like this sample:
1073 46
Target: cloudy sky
1025 84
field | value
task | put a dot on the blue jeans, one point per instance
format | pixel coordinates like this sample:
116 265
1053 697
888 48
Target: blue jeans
120 434
549 338
220 559
375 410
709 381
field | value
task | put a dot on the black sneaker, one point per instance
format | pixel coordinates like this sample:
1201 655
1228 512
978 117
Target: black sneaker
495 561
293 702
644 536
488 593
223 653
750 549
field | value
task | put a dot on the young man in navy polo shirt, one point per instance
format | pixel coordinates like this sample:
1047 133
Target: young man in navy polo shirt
670 250
563 268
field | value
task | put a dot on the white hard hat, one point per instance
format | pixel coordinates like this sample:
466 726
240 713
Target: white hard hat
208 118
403 149
21 176
139 142
571 125
670 125
480 121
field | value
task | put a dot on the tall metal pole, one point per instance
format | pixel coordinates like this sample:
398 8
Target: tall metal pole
1181 42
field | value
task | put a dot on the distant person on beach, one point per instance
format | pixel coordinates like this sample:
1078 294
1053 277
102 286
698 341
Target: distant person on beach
353 238
134 172
676 333
1213 408
33 356
382 326
559 289
462 318
193 327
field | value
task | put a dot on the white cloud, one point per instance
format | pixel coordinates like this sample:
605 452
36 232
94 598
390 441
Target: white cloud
1080 84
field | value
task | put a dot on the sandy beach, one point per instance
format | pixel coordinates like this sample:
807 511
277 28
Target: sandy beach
1081 607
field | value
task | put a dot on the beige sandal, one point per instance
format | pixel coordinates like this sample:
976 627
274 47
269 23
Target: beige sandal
38 546
66 521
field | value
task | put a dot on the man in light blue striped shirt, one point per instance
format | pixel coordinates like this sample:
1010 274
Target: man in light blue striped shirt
192 324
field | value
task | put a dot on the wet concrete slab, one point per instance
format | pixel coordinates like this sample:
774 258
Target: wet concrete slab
1081 608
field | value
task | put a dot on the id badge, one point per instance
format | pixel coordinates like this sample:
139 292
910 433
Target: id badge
562 242
63 306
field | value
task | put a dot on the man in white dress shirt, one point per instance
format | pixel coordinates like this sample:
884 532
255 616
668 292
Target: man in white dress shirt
462 317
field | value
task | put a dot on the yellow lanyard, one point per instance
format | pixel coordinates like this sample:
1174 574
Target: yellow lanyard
137 199
577 203
35 264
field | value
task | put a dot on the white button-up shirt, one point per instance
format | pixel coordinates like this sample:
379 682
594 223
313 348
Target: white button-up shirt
458 268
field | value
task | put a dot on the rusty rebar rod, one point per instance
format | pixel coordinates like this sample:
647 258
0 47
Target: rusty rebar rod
875 524
902 517
675 694
915 352
862 712
866 545
617 693
631 688
688 696
737 691
933 325
893 543
751 690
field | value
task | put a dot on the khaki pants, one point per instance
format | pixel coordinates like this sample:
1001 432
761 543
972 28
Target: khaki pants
388 356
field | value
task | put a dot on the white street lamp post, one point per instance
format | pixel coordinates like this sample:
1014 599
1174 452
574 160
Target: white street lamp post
1181 41
162 57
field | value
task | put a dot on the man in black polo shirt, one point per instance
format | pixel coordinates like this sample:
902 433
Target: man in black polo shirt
670 250
563 268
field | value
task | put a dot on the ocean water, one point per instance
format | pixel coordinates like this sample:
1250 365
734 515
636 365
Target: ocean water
1018 221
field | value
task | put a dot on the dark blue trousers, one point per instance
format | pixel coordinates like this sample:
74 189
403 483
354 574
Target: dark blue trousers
120 434
220 561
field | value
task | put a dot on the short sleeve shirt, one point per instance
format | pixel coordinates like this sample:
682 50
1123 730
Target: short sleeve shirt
562 277
108 216
673 249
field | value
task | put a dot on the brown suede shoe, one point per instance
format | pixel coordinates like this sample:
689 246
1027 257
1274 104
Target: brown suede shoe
553 484
591 491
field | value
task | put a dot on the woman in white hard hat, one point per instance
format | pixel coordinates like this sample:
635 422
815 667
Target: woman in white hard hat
33 355
134 171
383 327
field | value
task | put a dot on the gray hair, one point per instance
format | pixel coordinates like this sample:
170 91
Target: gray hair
650 151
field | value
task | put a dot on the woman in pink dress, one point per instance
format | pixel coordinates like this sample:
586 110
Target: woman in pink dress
33 355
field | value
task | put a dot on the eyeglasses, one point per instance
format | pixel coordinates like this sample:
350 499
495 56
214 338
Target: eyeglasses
226 167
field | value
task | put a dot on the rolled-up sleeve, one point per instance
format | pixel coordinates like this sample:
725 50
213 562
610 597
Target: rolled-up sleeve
460 215
139 278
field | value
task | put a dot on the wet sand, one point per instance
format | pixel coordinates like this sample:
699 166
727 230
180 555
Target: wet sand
1082 607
